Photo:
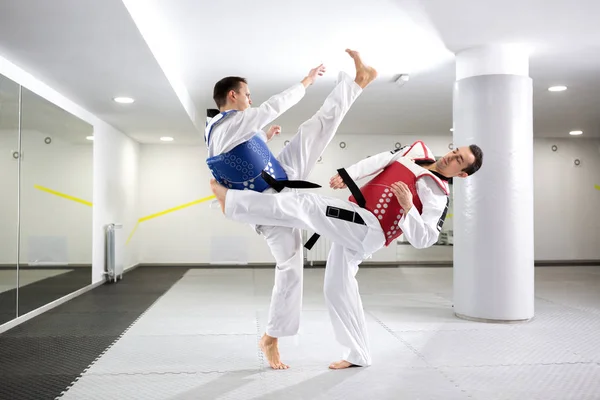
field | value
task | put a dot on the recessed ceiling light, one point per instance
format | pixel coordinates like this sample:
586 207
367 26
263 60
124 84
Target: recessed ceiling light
451 129
557 88
124 100
575 133
166 139
89 137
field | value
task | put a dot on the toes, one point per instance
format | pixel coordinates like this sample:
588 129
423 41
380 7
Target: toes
279 366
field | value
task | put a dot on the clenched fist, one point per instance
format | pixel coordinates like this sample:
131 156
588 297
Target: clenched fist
273 130
336 182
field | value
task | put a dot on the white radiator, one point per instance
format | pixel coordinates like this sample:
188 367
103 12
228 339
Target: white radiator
114 252
319 251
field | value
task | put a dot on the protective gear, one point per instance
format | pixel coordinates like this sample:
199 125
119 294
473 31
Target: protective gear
380 198
241 167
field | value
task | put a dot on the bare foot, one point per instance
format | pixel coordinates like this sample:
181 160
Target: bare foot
220 193
268 345
364 74
342 364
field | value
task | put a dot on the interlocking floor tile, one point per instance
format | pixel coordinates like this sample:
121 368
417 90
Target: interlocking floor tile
199 340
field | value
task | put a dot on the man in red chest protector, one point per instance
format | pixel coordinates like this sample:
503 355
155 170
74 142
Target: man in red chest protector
408 195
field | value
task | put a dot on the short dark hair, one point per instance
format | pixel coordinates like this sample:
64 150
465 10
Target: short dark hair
474 167
223 87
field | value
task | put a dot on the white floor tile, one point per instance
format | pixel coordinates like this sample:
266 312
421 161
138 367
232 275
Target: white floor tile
199 341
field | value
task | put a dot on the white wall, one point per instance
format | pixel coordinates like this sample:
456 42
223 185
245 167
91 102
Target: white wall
53 229
567 221
115 181
172 175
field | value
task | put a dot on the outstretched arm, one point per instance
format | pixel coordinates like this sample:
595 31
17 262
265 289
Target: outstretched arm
422 230
368 166
255 119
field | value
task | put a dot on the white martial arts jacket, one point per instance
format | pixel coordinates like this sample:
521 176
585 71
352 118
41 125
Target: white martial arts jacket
238 153
242 126
422 224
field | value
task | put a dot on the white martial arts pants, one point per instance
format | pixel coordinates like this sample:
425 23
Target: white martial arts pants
298 159
352 243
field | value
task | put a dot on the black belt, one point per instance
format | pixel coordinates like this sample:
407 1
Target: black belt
337 213
279 185
346 215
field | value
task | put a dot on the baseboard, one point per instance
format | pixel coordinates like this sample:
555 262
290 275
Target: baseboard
367 264
567 263
40 267
207 265
131 267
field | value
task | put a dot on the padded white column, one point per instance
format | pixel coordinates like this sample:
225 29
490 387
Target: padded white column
493 209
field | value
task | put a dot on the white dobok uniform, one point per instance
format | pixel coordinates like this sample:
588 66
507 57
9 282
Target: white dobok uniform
297 159
356 232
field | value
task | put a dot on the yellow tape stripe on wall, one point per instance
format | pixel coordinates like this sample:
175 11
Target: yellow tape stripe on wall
149 217
170 210
65 196
132 232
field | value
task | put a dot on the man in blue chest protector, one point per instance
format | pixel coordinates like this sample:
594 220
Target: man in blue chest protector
239 158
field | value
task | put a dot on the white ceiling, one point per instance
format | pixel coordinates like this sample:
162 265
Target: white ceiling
91 51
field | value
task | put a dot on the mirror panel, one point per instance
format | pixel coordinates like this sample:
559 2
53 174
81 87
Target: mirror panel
55 253
9 181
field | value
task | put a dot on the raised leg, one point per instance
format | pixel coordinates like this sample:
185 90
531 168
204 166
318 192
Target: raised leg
313 136
303 210
345 307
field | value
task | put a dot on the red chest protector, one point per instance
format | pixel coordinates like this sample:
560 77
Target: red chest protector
380 199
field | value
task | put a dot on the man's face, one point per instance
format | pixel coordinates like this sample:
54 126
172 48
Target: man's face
241 99
453 163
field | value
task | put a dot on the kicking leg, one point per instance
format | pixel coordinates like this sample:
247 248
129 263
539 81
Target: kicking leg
286 298
304 210
313 136
345 307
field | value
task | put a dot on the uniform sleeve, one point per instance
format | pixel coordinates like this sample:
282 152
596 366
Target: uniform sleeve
263 135
372 165
244 125
422 230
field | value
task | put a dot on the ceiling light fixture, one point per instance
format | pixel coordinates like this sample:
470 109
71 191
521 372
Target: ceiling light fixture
576 133
123 100
557 88
89 137
451 129
166 139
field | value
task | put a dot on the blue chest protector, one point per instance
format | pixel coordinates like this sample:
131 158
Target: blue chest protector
241 167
